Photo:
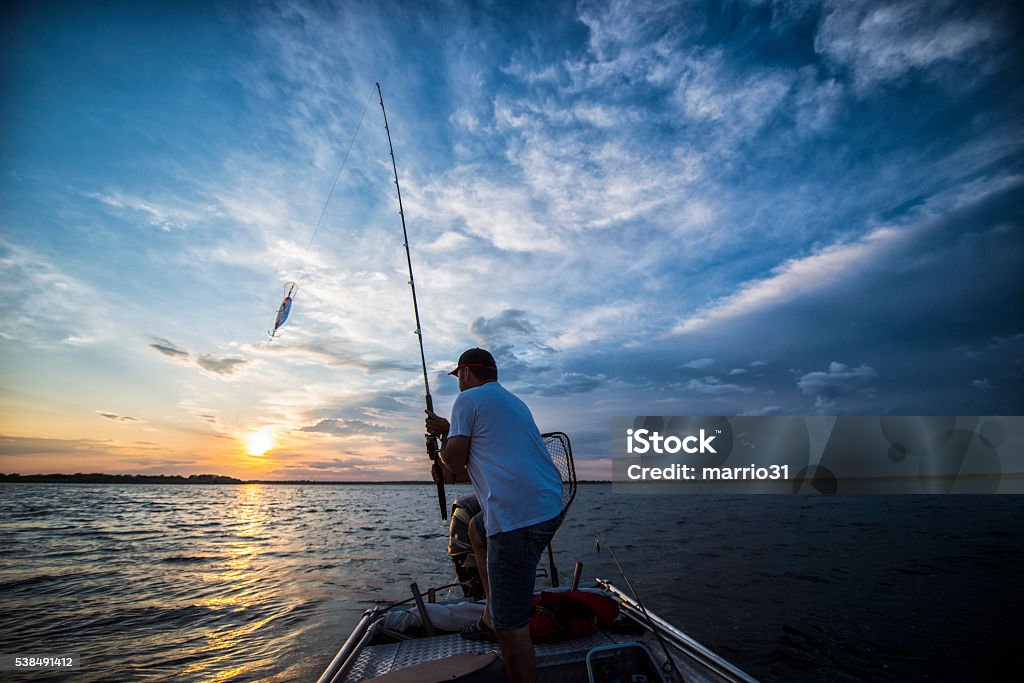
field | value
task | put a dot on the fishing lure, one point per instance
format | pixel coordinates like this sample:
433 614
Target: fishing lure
290 289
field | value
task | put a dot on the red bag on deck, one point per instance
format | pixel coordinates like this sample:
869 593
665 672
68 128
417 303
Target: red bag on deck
558 615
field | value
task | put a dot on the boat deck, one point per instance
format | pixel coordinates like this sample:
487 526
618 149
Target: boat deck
381 659
563 661
398 642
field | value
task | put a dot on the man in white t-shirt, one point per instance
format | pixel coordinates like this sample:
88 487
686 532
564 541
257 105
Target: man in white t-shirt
493 436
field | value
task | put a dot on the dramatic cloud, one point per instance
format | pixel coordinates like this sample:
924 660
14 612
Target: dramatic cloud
796 278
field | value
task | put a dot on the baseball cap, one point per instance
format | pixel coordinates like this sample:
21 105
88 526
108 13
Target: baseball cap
475 358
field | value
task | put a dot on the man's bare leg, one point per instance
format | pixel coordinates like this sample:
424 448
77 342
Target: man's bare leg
516 646
517 654
480 553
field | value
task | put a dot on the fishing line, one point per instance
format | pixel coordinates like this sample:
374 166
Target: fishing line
323 211
291 288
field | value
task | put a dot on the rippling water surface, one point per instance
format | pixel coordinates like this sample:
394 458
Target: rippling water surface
246 583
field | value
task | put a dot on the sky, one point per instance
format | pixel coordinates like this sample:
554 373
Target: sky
641 208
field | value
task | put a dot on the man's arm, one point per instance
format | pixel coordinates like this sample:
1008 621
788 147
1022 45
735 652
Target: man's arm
455 453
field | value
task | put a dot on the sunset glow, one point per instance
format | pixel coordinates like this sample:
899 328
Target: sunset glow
260 442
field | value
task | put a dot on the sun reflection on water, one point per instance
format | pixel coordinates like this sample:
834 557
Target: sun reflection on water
226 654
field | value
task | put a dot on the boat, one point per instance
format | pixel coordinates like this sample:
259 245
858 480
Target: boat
417 640
631 646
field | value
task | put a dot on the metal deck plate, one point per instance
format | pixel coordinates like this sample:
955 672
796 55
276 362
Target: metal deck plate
376 660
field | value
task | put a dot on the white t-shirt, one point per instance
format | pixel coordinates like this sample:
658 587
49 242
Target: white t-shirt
513 477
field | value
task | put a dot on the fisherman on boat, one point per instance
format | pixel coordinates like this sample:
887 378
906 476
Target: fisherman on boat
493 436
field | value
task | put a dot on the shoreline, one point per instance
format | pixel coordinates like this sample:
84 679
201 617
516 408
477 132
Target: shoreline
200 480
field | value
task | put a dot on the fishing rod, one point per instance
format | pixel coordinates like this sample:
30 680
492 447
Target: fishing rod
671 667
433 450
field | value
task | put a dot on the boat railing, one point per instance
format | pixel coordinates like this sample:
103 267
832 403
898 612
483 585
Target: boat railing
693 649
336 670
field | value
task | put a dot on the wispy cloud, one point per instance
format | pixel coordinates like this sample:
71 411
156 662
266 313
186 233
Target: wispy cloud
219 366
884 42
333 354
714 385
837 381
345 427
562 384
44 305
167 348
118 418
175 214
766 410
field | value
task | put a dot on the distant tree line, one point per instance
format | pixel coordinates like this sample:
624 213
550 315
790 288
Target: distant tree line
99 478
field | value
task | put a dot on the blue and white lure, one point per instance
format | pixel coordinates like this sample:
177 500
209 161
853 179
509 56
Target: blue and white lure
290 290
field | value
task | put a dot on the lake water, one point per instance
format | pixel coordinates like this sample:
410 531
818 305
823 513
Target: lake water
247 583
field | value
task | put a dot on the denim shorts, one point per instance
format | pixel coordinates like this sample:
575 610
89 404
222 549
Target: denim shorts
512 559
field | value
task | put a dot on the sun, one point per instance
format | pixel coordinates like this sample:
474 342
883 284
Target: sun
260 442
